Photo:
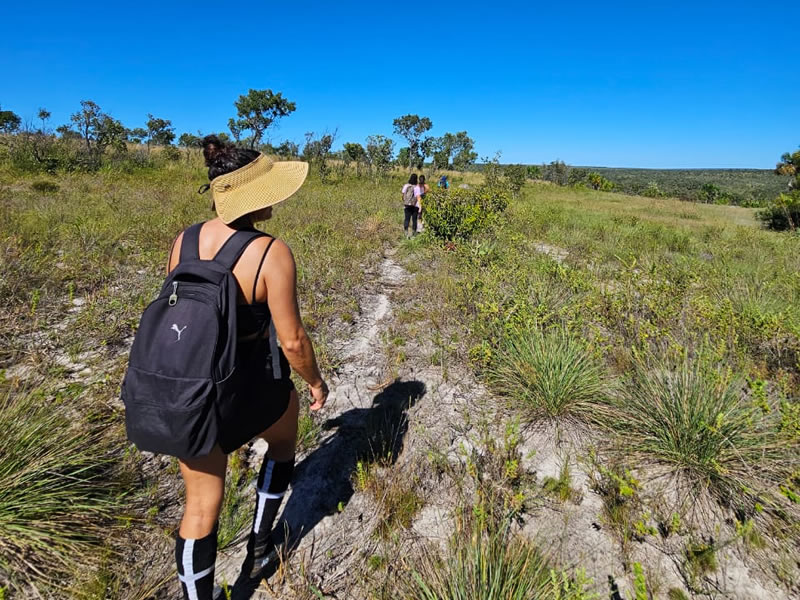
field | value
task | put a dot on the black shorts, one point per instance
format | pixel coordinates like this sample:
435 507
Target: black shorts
263 399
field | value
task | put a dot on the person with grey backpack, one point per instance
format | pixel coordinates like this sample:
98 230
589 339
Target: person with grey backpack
411 193
210 365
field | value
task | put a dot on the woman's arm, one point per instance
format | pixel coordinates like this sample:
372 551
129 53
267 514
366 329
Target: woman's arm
280 277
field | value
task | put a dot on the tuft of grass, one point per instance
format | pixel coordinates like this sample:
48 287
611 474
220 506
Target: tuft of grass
699 425
55 494
490 564
547 375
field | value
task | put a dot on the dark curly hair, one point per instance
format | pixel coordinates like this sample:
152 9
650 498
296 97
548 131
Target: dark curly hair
223 158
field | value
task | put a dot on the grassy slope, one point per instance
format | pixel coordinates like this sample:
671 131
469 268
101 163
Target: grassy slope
80 262
689 311
621 272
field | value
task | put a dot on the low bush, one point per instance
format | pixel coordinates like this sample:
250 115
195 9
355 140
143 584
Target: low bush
458 213
783 214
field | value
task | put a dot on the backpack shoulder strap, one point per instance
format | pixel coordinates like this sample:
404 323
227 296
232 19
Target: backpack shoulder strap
190 245
261 264
234 246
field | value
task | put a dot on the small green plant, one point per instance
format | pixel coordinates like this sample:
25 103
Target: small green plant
362 475
561 486
599 183
652 190
639 582
57 498
237 502
515 176
676 594
701 559
783 214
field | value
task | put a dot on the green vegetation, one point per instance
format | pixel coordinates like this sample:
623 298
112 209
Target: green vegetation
669 332
547 375
697 421
491 564
743 187
57 502
460 213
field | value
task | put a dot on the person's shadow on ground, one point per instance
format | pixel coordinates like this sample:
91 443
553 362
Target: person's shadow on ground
322 482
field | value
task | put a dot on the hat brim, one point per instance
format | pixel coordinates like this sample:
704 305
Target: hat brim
257 185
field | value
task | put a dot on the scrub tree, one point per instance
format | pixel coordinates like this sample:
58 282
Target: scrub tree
256 112
353 151
159 131
9 121
379 155
411 127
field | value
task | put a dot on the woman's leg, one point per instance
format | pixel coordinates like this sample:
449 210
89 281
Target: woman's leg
196 542
414 213
407 217
273 481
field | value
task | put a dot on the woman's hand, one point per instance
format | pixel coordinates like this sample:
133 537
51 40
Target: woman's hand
319 393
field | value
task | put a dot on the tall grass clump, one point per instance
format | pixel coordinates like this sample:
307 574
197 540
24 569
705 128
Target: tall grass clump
491 564
547 375
55 494
697 424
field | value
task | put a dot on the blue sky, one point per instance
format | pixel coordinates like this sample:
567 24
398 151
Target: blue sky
684 84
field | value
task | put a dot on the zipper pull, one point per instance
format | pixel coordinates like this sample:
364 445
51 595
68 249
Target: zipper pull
173 298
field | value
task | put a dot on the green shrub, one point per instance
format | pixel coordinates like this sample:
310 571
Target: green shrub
783 214
652 190
458 213
698 424
547 375
598 182
515 176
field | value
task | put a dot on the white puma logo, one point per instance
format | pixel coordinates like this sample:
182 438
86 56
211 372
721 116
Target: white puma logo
178 331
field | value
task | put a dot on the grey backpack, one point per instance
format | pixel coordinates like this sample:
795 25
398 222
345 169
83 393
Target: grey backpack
409 199
182 373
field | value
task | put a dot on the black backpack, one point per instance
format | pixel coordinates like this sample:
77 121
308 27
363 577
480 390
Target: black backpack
181 375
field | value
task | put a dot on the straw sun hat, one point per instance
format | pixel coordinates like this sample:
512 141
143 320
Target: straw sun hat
255 186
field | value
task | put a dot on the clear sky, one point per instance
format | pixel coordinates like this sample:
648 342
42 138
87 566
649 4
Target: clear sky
638 84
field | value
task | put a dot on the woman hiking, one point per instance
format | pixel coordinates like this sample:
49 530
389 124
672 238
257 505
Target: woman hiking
424 188
411 193
245 185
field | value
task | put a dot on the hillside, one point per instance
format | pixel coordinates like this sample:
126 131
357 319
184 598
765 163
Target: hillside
597 395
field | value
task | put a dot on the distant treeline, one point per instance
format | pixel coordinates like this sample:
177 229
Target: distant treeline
93 139
741 187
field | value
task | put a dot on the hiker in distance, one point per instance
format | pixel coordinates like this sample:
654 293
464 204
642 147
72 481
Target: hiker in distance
411 193
424 188
210 365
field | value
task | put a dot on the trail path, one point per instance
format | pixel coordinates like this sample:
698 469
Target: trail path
330 524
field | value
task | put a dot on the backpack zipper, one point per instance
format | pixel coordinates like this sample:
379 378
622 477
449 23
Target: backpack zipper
173 298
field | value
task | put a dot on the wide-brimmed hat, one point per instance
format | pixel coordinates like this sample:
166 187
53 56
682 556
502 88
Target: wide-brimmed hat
256 185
